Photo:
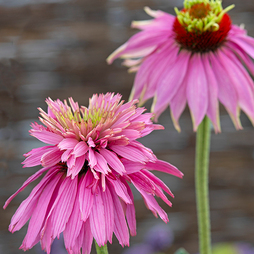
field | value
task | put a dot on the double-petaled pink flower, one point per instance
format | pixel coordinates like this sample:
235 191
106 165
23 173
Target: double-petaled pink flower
91 156
197 58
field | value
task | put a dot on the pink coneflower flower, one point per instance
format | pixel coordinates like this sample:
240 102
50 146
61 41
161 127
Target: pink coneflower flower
197 57
91 156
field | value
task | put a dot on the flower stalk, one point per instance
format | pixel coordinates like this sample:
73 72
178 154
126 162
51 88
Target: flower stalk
201 181
101 250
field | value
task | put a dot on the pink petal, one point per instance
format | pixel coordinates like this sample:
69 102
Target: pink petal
130 211
113 161
165 167
120 190
28 181
68 143
109 213
171 80
63 205
213 103
97 219
80 149
129 152
86 198
39 213
241 81
52 157
73 225
47 136
101 165
197 90
92 158
227 94
120 227
27 207
34 156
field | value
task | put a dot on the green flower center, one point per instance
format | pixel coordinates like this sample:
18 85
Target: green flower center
201 15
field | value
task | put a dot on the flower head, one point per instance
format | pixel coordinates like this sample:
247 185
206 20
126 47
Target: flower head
91 156
197 57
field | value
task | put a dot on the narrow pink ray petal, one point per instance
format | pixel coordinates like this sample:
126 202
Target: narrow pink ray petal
160 67
196 90
130 211
75 170
165 167
26 208
84 240
68 143
47 136
132 166
157 182
245 42
129 152
113 161
241 81
102 165
242 55
227 94
170 82
39 213
80 149
213 104
153 205
34 156
63 205
120 226
25 184
109 213
142 182
52 157
86 198
97 219
46 238
92 158
120 190
74 224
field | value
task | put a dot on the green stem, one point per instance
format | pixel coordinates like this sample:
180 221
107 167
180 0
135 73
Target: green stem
202 192
102 249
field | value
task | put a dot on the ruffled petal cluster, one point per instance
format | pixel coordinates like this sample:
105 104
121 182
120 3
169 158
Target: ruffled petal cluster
90 158
178 65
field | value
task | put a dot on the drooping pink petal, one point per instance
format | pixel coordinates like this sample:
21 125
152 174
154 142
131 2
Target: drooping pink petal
39 214
196 90
120 190
213 104
47 136
33 158
97 219
109 213
80 149
120 226
86 198
74 224
113 161
68 143
165 167
130 211
170 81
63 206
226 93
25 184
51 157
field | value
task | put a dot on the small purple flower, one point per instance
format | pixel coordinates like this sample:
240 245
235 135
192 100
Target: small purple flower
159 237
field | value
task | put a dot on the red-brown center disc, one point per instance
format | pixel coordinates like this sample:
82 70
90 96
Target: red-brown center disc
202 41
199 11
